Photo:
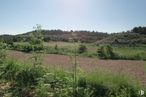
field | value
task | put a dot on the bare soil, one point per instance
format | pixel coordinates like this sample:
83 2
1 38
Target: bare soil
135 69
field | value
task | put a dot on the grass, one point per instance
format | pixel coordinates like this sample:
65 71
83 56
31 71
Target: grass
27 81
65 48
132 52
111 85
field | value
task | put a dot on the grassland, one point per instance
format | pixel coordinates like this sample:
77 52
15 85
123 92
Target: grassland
59 70
106 65
132 68
65 48
25 80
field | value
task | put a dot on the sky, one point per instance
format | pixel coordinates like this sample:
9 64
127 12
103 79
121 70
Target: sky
20 16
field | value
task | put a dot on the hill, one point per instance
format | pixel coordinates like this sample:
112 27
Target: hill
135 36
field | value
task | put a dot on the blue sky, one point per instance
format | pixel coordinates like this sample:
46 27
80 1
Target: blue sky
19 16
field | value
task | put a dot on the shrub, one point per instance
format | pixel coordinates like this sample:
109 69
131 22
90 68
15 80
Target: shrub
82 48
22 47
106 52
28 76
28 47
23 75
10 70
58 50
2 52
38 48
56 47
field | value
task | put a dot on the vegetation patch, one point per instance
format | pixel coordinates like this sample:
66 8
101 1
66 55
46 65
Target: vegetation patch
30 81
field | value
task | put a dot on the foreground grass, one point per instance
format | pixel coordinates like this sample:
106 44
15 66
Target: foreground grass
23 80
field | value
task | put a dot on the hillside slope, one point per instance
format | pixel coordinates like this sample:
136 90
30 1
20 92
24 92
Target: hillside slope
135 36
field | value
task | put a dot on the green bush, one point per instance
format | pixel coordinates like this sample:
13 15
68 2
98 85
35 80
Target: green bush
3 46
82 48
29 76
27 47
22 47
106 52
10 70
23 75
57 50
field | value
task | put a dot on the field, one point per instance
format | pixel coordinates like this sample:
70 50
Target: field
65 48
65 69
134 69
89 60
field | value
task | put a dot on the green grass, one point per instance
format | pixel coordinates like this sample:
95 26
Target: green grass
28 81
112 85
65 48
132 52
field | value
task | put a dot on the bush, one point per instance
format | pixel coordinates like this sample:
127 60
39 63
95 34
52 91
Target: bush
28 76
38 48
27 47
10 70
23 75
106 52
58 50
2 52
82 48
22 47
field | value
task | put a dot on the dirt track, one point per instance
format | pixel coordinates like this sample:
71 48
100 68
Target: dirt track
131 68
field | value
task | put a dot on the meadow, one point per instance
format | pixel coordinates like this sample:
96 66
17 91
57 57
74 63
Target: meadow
66 48
27 80
70 69
57 71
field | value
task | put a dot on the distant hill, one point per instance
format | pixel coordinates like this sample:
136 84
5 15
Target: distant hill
59 35
135 36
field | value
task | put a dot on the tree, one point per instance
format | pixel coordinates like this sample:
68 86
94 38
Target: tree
140 30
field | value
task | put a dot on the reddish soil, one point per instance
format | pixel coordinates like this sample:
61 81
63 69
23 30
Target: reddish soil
132 68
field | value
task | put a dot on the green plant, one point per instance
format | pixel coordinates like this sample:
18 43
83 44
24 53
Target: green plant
28 76
36 41
36 37
10 70
106 52
3 47
110 85
82 48
74 61
38 82
56 47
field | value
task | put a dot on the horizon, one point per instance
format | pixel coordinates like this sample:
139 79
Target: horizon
69 31
111 16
